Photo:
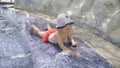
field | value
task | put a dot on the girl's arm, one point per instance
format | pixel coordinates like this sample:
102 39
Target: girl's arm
61 44
63 47
74 43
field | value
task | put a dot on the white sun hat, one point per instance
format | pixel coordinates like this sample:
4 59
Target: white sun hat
63 19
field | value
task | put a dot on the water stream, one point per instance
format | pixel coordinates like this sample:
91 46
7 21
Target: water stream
20 49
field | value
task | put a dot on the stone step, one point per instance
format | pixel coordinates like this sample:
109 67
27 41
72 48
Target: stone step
116 34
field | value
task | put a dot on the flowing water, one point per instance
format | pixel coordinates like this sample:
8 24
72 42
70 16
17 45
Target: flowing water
20 49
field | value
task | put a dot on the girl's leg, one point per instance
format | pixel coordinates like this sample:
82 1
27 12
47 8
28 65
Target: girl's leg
36 29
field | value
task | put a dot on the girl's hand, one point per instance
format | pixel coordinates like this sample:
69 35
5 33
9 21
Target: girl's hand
74 44
75 53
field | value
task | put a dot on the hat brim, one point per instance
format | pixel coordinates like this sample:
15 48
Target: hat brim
64 24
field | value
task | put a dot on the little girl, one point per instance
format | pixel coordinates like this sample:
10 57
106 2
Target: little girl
60 34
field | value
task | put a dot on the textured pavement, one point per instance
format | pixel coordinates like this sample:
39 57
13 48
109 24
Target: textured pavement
106 49
21 49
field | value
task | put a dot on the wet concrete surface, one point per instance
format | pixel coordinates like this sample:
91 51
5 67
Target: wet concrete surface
43 55
106 49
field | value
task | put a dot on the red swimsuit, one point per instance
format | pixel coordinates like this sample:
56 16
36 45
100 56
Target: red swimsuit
45 37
